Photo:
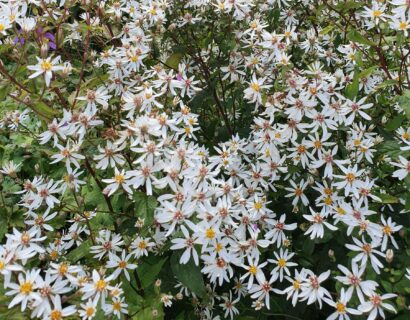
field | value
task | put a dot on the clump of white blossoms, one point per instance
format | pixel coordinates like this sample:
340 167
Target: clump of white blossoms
204 159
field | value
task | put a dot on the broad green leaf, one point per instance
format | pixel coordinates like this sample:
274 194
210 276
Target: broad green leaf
144 207
43 110
394 123
386 198
80 251
327 29
148 270
188 274
355 36
173 60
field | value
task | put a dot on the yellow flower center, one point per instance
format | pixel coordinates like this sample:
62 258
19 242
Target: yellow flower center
298 192
350 177
46 65
257 205
340 307
134 58
387 230
100 285
210 233
356 142
90 311
119 178
56 315
403 25
377 13
116 306
122 264
142 245
255 86
26 288
218 247
63 268
281 262
253 270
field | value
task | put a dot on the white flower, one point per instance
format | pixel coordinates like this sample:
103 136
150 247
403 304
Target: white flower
282 264
405 168
317 230
25 290
312 291
367 251
354 280
376 304
121 264
340 305
46 67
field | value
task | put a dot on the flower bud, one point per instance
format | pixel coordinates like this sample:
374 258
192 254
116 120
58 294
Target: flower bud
179 296
389 255
44 50
155 313
331 253
158 283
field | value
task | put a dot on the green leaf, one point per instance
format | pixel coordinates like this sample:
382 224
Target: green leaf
188 274
327 29
355 36
394 123
80 251
353 89
173 60
386 198
404 103
391 148
367 72
4 91
148 270
348 5
145 206
43 110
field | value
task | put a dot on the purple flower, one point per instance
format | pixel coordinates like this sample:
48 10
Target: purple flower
19 40
47 38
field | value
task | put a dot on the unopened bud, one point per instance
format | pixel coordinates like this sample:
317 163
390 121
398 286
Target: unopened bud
402 233
155 313
331 253
179 296
158 283
389 255
44 50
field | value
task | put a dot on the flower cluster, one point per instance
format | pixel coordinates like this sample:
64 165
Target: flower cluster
205 159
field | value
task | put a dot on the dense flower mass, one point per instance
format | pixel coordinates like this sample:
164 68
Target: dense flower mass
204 159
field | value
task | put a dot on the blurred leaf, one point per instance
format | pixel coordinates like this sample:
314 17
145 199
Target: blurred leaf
173 60
355 36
